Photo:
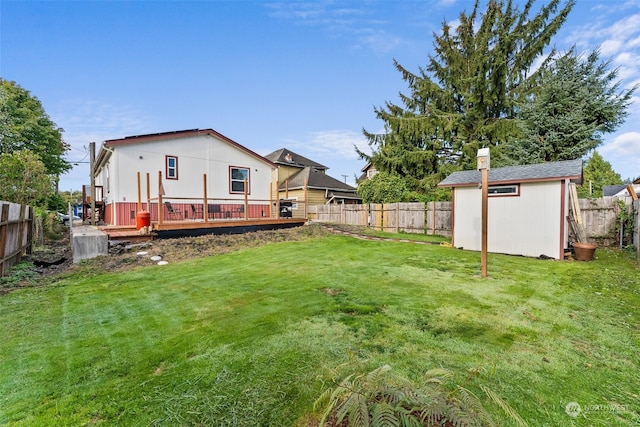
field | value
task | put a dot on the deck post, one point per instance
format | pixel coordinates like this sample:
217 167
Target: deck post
205 206
139 193
277 212
270 197
306 192
148 193
246 200
160 194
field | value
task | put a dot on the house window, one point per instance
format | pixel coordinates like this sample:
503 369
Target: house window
237 177
172 167
504 190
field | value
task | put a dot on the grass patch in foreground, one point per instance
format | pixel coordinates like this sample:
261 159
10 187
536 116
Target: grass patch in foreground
253 337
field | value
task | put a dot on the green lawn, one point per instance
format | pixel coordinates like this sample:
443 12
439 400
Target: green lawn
253 337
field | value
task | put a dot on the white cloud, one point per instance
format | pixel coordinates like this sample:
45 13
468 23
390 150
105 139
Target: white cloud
376 40
626 144
333 143
86 121
355 23
610 47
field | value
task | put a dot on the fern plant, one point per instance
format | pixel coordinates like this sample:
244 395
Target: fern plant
381 398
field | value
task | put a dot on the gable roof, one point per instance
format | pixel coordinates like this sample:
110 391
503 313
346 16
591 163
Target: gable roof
550 171
151 137
316 180
612 190
287 157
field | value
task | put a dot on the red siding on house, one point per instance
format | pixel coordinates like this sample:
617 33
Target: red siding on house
125 212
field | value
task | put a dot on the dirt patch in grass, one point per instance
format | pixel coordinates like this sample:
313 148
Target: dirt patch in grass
56 257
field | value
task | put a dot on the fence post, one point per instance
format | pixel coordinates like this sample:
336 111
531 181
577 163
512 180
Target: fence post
636 238
4 225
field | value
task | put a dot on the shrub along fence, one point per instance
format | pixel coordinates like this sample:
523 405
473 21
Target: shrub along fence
16 233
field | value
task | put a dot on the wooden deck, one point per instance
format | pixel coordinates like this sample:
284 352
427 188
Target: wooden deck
186 228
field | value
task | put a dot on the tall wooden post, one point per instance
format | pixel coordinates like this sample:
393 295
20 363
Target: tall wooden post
148 193
277 212
270 197
306 198
205 203
483 165
246 199
160 194
485 222
139 194
92 160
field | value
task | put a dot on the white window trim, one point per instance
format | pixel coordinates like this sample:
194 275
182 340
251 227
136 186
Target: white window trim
508 190
231 180
168 168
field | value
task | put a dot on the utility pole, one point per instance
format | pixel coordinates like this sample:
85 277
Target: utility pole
345 178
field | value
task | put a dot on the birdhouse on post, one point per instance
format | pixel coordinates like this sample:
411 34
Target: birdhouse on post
483 167
483 159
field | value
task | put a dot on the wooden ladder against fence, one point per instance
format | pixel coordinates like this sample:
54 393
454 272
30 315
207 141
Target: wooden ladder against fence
16 234
575 215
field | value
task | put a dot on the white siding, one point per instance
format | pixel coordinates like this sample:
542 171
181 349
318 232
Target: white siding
528 224
196 155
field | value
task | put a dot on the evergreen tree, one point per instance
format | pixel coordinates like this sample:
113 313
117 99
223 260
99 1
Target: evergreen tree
466 98
24 125
597 173
576 102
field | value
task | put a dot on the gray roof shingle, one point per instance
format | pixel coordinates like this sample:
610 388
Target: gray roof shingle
287 157
571 169
316 179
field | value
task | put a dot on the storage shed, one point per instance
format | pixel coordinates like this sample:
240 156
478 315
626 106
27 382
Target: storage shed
528 208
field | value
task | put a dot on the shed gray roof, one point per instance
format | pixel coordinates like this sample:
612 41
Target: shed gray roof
568 169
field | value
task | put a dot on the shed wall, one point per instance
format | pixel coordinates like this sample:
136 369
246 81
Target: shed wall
529 224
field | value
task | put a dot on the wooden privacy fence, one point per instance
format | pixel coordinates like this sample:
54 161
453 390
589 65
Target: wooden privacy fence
16 234
414 217
599 216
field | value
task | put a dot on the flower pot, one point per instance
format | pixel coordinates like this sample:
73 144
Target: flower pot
584 251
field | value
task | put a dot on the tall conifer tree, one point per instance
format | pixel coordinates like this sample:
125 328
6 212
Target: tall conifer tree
466 97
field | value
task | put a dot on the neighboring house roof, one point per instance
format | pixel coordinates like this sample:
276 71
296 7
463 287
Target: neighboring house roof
316 180
365 171
551 171
343 195
612 190
136 139
618 190
287 157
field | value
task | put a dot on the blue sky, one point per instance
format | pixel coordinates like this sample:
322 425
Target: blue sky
268 75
